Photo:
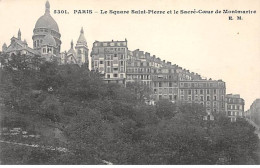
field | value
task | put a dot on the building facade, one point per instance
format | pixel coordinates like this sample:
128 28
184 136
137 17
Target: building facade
209 93
109 58
166 81
234 106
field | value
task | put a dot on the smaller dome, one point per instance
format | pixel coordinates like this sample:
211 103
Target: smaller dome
49 40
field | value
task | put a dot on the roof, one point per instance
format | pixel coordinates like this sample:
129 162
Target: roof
81 38
46 21
49 40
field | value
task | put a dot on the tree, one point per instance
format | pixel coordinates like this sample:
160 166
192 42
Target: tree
141 91
165 109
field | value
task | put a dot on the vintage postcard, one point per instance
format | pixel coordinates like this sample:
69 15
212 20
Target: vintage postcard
140 82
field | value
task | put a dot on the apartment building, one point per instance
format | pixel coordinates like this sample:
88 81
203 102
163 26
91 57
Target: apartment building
234 106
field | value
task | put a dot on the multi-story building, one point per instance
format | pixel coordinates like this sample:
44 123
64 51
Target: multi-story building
166 81
139 67
209 93
109 58
234 106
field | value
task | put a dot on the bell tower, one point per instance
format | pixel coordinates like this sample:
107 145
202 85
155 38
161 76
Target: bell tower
82 49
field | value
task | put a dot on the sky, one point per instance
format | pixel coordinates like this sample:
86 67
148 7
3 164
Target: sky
208 44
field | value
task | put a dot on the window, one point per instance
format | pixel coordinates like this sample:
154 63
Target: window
196 91
208 98
207 91
101 62
121 76
201 91
170 84
201 98
115 75
160 97
189 92
160 84
49 50
215 98
215 91
108 76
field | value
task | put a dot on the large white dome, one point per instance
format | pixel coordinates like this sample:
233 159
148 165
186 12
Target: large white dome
46 21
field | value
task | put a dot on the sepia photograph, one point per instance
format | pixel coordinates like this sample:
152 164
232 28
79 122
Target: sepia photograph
140 82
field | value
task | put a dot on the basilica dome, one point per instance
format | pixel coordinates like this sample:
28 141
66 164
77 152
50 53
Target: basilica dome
46 21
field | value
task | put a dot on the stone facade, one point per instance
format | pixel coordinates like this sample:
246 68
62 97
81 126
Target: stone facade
234 106
167 81
109 58
47 43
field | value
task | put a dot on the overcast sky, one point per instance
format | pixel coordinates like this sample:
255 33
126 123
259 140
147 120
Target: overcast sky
208 44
